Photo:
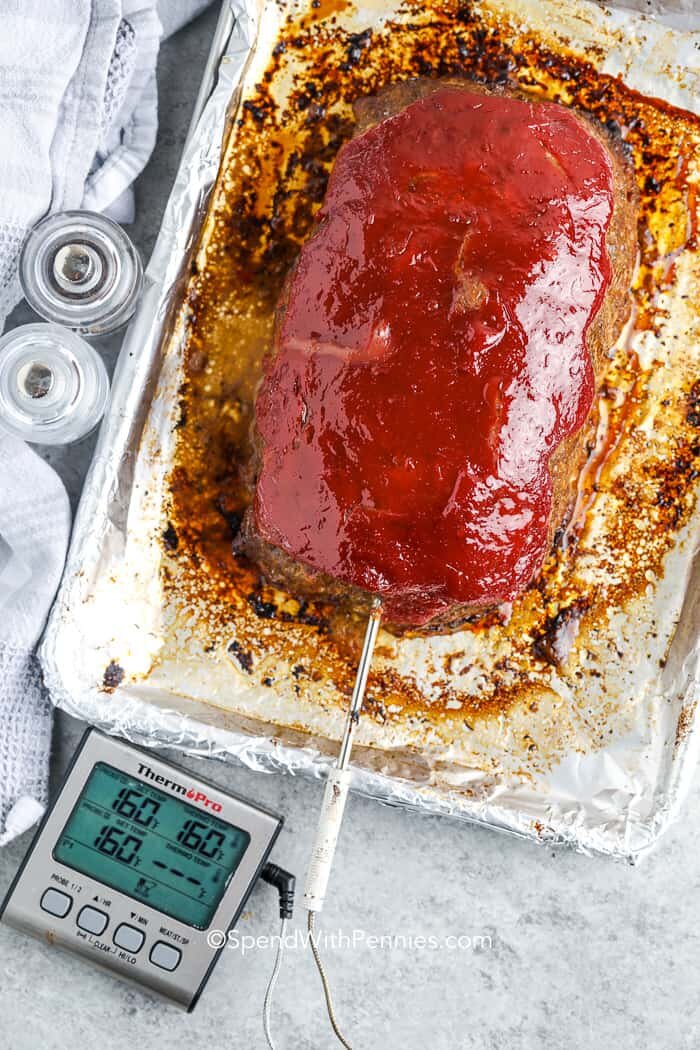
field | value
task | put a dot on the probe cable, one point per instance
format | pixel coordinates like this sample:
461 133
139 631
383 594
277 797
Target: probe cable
285 884
324 981
269 991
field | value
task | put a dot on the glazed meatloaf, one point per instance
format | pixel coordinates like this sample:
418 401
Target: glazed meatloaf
421 419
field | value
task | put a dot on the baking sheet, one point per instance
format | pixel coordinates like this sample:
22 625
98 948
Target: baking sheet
158 636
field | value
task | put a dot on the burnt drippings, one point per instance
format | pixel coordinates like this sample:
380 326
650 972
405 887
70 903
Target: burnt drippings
242 656
113 676
693 411
357 43
305 614
282 148
170 537
233 516
554 642
265 610
270 604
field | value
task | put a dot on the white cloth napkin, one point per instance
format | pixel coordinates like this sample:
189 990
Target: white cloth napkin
78 122
34 528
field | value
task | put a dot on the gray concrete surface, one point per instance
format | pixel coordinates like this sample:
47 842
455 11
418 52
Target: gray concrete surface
566 953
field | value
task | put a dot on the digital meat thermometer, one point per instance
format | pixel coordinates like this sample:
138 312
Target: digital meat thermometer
135 862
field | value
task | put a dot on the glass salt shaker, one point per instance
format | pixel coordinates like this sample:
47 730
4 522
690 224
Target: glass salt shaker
80 269
53 385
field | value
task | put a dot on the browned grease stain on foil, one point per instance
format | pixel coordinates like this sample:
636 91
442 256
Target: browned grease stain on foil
273 181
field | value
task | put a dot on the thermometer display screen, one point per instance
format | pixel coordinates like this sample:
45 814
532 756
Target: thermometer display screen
151 846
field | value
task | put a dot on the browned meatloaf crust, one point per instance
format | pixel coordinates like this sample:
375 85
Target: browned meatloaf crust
281 569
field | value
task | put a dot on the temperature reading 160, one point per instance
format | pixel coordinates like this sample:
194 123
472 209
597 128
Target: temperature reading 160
118 844
190 836
135 806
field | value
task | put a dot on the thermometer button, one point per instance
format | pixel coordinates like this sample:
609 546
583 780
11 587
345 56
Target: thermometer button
165 956
128 938
56 903
92 920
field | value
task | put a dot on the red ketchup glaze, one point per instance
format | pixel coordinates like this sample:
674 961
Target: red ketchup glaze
431 354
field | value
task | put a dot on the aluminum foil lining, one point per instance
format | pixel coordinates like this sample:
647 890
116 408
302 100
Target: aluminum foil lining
128 648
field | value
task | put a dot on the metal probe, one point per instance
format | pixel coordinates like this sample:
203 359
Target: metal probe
339 779
328 830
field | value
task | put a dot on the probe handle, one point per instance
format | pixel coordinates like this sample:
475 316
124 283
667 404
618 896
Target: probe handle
327 833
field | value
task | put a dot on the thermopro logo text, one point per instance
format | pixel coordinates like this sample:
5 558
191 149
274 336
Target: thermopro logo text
180 789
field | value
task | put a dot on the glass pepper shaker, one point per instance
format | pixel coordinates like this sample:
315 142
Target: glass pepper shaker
53 385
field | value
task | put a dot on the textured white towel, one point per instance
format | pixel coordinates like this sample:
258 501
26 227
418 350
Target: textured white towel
77 113
78 121
34 527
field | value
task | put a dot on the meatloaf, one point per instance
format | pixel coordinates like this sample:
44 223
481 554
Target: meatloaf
438 345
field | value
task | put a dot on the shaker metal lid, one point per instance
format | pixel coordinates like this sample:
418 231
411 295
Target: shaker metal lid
53 384
80 269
